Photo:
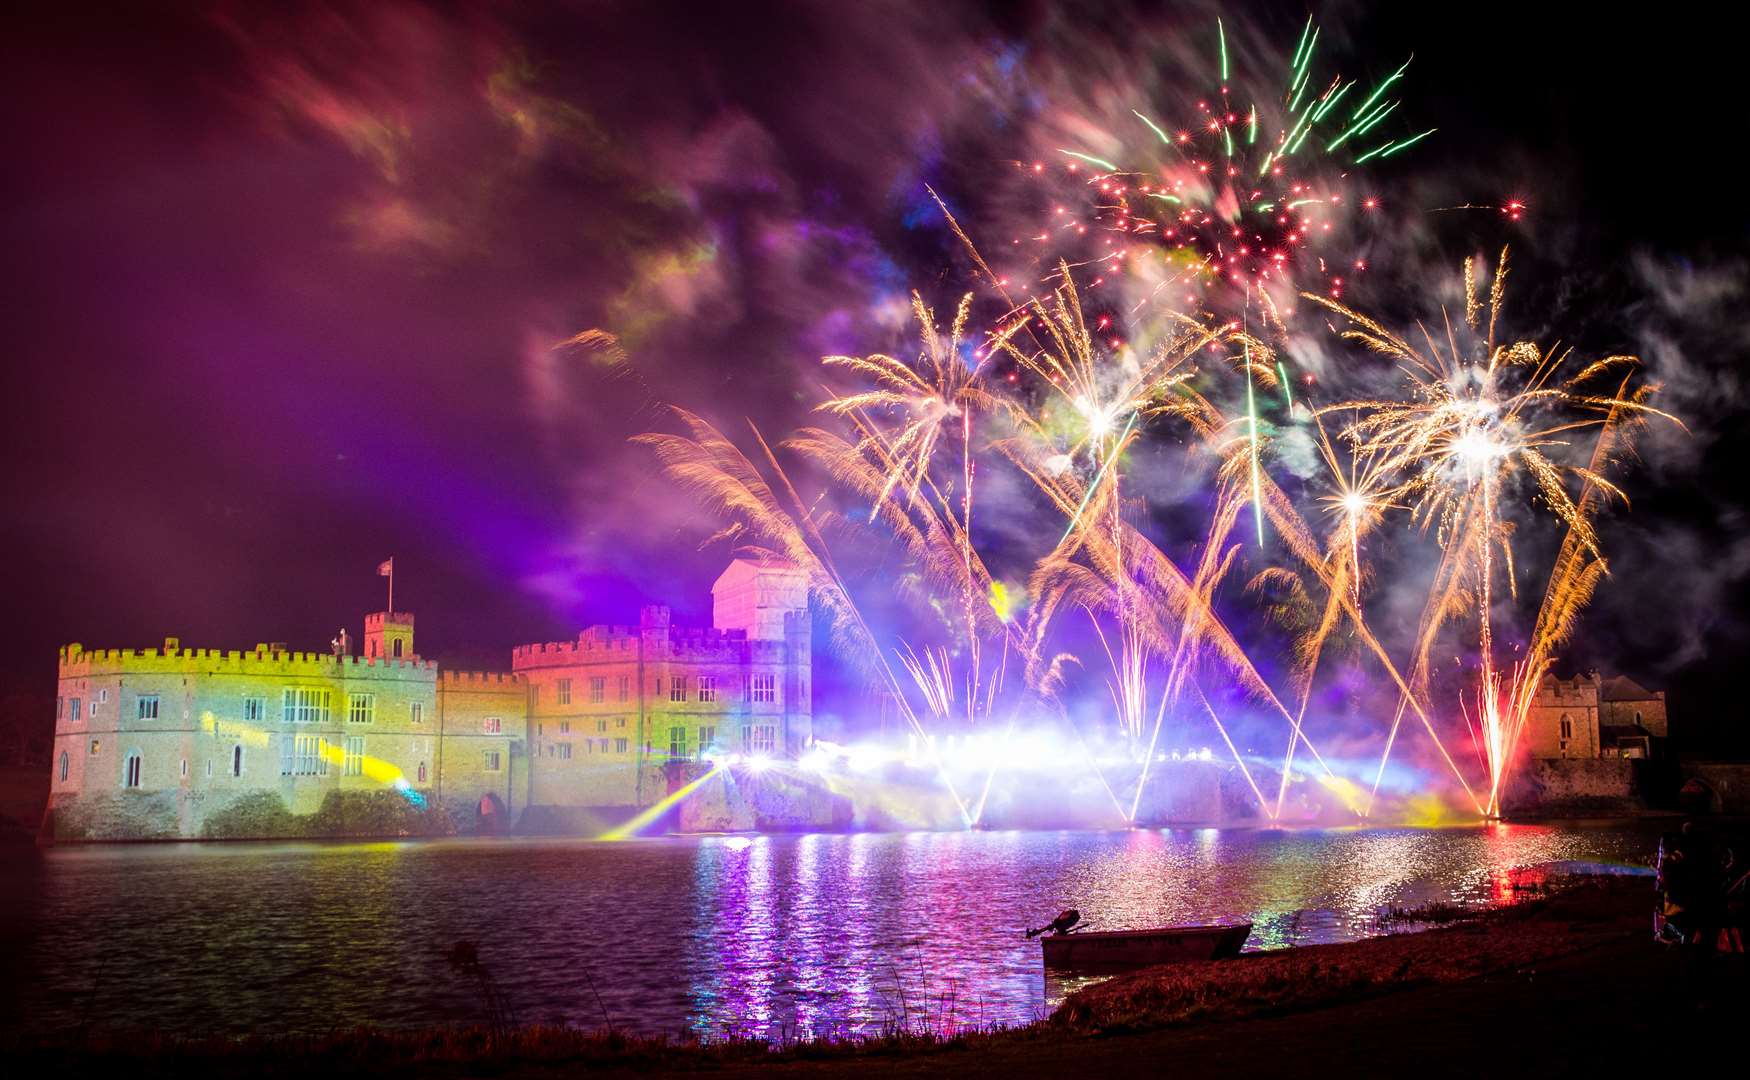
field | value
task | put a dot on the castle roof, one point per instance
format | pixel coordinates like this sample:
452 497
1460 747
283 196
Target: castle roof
1623 688
748 565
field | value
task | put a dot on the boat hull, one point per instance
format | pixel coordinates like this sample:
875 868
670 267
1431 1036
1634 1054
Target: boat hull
1119 949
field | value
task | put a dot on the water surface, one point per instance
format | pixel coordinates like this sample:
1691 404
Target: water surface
791 935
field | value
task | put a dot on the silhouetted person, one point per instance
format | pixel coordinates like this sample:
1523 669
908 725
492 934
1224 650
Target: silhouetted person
1694 870
1066 919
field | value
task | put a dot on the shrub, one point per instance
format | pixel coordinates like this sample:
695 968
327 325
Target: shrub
258 814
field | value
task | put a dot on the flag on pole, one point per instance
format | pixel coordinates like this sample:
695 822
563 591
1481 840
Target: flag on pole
386 568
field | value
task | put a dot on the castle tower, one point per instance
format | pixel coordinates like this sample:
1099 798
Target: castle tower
755 595
389 634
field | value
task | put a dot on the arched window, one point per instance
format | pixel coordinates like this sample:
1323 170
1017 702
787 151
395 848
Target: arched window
397 646
422 772
63 766
1637 718
1567 727
237 760
131 769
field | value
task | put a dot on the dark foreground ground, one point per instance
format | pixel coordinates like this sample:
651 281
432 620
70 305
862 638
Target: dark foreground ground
1571 984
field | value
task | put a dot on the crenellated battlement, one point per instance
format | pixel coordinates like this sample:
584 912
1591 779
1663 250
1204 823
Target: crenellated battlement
458 679
76 660
601 644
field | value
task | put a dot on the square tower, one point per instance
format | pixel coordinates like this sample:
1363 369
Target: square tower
389 635
755 594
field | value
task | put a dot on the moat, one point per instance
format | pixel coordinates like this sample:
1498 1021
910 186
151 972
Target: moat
763 935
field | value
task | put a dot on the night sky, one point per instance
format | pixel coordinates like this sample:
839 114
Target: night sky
282 286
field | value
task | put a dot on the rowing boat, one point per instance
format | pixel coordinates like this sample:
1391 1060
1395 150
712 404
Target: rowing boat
1143 948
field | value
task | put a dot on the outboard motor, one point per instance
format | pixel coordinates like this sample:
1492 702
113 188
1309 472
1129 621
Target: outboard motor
1066 919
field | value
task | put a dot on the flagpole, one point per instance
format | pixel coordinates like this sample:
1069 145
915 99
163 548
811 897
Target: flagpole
391 586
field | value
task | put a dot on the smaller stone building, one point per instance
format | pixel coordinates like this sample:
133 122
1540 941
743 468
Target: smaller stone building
1589 716
1631 717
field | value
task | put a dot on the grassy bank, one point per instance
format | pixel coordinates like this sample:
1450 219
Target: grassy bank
1551 983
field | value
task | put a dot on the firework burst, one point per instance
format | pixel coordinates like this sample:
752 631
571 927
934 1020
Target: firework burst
1478 420
1245 185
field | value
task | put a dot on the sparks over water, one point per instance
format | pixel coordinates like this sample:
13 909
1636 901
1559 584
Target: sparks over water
1475 414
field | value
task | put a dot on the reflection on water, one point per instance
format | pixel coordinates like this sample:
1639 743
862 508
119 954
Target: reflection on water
798 936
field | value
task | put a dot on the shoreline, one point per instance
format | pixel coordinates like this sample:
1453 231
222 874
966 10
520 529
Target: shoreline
1594 934
1575 822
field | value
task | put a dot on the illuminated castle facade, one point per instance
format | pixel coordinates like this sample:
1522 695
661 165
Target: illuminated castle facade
190 743
1590 716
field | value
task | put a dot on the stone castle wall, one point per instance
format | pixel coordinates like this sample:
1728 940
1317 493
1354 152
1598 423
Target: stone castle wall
173 742
154 743
1574 786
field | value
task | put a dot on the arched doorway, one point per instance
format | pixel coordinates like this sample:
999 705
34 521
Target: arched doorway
493 817
1697 796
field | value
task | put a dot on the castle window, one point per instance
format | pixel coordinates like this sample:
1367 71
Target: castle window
707 688
602 745
1637 718
64 766
562 691
185 768
601 725
494 761
131 770
254 709
565 751
103 695
73 709
677 690
765 687
493 725
564 727
305 706
625 688
620 746
707 738
422 772
677 743
598 690
303 755
416 712
236 761
760 738
355 755
146 707
397 646
362 708
620 722
1567 727
96 745
209 768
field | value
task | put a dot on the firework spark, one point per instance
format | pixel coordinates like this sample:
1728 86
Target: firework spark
1478 417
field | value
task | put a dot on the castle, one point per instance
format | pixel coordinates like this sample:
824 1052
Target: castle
1589 716
177 742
